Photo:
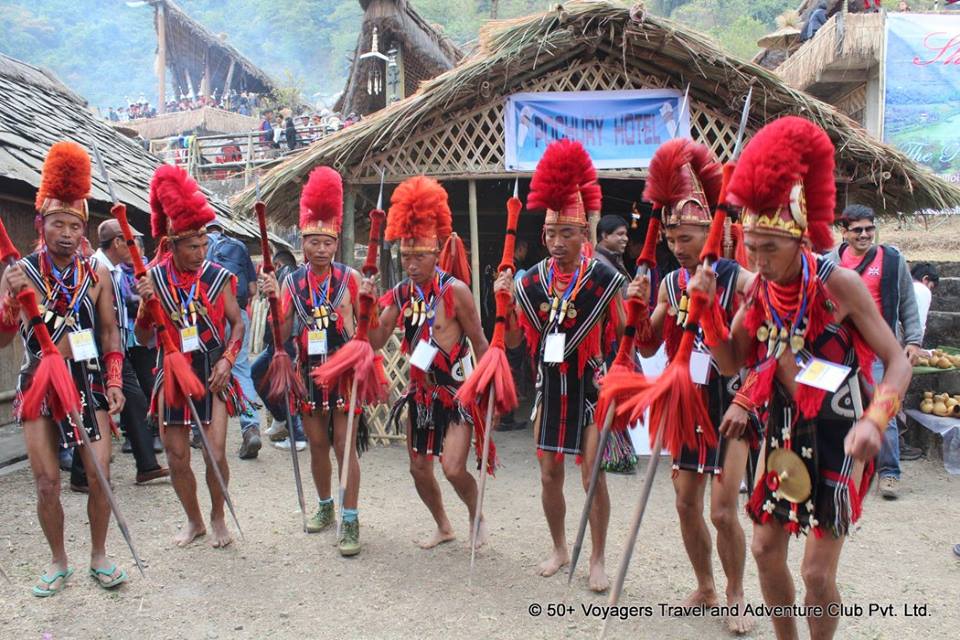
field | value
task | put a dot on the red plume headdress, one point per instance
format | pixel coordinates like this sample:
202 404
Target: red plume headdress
178 209
419 215
784 181
565 184
65 181
685 182
321 203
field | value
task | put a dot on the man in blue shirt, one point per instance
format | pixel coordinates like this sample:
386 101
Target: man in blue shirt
232 255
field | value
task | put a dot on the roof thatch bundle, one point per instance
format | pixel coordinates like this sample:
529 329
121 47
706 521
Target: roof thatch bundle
426 52
191 48
637 44
36 110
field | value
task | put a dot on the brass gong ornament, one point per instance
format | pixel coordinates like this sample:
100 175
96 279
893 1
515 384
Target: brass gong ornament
793 479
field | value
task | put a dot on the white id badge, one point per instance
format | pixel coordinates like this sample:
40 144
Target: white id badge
317 342
823 375
699 366
423 356
467 364
189 339
553 350
82 345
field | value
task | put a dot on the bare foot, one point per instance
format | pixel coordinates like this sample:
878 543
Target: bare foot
482 532
740 624
439 537
558 559
221 535
698 597
598 580
190 532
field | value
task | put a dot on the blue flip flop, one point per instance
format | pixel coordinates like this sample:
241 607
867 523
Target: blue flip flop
49 580
120 579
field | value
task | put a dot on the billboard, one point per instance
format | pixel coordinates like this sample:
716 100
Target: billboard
620 129
922 90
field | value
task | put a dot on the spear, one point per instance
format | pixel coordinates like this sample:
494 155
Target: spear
53 384
666 397
180 383
356 359
492 374
284 383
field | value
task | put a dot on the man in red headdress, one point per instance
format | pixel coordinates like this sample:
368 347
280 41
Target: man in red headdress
321 295
438 315
76 304
685 183
570 310
808 328
198 299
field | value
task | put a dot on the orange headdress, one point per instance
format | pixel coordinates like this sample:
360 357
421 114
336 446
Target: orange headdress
65 181
419 215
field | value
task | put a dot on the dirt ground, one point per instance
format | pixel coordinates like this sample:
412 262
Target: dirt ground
281 583
922 238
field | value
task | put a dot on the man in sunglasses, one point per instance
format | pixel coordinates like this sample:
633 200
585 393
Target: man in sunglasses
884 270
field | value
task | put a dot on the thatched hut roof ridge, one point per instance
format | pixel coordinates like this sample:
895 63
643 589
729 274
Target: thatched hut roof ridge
178 23
514 52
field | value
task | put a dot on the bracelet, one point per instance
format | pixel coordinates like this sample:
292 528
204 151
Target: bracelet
883 407
233 350
9 314
114 362
743 401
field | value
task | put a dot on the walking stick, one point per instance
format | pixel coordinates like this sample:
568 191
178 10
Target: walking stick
357 359
180 382
281 377
492 374
62 393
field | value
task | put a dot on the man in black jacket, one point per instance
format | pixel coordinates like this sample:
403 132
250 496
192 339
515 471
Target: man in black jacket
884 270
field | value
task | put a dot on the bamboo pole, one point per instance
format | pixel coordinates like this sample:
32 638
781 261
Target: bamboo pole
474 241
349 225
161 58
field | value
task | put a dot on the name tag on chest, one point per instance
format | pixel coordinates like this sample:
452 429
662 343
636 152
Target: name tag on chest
82 345
699 366
189 339
423 356
554 348
317 342
823 375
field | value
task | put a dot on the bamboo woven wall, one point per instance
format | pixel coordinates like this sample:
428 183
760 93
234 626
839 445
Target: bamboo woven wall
471 142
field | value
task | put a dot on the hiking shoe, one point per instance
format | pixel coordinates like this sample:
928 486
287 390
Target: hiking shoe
349 544
889 487
909 453
277 431
322 519
285 444
250 448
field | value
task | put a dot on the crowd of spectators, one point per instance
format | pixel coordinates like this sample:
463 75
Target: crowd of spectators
243 102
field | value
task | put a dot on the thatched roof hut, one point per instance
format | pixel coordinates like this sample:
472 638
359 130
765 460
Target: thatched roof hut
411 51
198 59
452 128
36 110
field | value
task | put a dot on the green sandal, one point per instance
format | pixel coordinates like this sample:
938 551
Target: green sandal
120 579
49 580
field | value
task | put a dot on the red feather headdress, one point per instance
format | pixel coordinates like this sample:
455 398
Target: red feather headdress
65 181
321 203
419 215
685 182
565 184
784 181
178 209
